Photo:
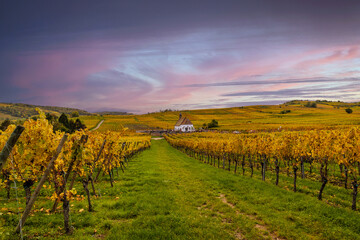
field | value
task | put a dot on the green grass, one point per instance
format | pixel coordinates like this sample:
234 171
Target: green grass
90 121
334 194
165 194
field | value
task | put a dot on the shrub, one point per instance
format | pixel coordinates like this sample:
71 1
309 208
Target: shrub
75 114
213 124
348 110
311 104
285 111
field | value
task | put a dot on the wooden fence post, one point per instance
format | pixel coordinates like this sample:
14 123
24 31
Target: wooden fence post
83 140
5 152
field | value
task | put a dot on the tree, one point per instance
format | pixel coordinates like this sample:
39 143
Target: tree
213 124
64 120
5 124
311 104
59 127
66 125
285 111
348 110
52 118
74 126
79 125
75 114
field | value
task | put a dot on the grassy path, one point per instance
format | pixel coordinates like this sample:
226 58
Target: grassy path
97 126
165 194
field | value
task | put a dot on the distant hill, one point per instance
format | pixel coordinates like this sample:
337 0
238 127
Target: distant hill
335 104
21 110
113 113
294 115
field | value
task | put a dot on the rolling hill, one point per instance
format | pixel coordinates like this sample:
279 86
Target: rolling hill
297 114
291 115
21 110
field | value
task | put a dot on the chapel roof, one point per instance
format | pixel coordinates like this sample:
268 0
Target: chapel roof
183 121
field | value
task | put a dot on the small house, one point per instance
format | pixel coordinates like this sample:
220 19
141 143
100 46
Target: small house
184 125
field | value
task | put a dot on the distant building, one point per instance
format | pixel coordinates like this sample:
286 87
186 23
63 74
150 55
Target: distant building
184 125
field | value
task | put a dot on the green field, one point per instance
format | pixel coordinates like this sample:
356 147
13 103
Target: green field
165 194
262 117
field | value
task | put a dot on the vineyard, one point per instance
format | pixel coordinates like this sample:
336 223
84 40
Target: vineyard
101 184
48 164
288 116
327 155
180 120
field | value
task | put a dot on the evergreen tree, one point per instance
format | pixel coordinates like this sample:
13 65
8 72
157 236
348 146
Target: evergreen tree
64 120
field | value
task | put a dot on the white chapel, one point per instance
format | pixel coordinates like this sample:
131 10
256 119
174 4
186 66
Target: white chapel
184 125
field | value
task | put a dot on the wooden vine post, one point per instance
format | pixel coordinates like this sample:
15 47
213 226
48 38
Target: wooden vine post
94 165
71 165
354 194
5 152
41 183
85 181
65 200
66 210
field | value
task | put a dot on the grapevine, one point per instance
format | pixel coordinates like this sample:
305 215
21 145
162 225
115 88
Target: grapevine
83 154
289 150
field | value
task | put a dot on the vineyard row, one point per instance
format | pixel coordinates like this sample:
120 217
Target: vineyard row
289 151
40 155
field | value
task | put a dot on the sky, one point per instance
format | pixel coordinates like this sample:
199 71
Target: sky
145 56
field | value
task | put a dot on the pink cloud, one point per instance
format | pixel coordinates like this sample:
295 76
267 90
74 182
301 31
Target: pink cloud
119 76
349 74
277 87
348 53
55 73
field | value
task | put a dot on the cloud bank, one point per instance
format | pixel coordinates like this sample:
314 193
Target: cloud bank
147 56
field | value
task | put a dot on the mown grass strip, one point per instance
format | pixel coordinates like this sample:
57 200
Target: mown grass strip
165 194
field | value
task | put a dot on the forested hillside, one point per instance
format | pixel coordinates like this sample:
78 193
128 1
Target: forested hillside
21 110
